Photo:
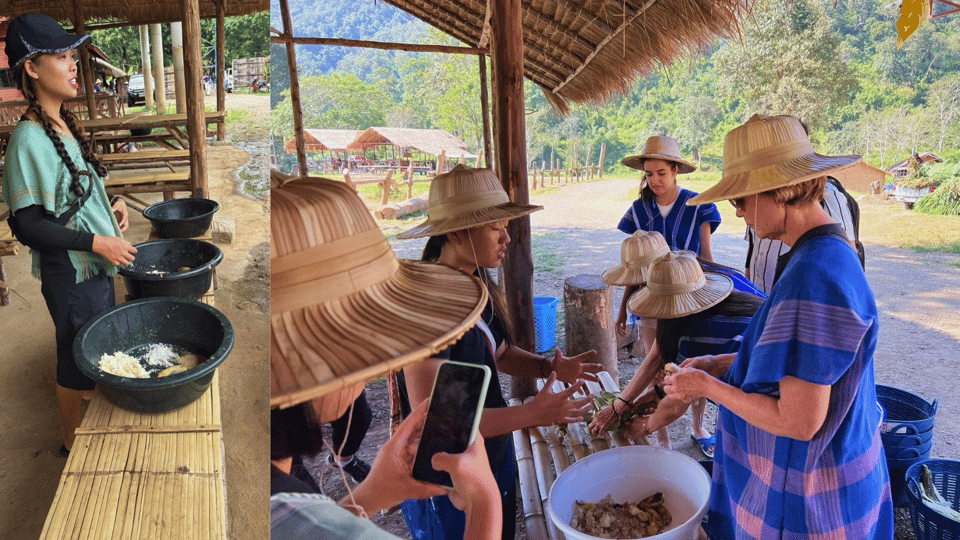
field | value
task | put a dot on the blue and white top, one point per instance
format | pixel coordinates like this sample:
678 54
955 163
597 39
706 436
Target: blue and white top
681 226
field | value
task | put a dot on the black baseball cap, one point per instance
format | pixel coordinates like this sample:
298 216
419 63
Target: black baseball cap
33 34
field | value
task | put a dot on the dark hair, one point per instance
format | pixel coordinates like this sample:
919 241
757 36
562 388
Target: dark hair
25 85
669 331
431 253
294 432
646 193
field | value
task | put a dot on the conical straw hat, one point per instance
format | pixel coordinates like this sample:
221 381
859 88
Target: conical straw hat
660 147
676 286
465 198
344 310
636 253
766 153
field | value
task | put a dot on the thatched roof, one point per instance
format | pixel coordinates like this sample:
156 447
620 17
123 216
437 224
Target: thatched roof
428 141
109 69
323 140
131 12
925 157
586 50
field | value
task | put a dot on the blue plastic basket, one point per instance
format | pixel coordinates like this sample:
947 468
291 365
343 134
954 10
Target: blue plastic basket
545 322
892 440
906 412
927 524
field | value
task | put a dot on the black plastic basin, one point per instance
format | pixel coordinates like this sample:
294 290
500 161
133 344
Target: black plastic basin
156 270
185 324
181 218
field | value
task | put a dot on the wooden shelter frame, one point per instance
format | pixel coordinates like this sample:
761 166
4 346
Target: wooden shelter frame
574 50
189 13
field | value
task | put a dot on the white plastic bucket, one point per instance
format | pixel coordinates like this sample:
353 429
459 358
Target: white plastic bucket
630 474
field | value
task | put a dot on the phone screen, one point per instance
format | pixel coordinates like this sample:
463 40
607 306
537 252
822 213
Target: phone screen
453 417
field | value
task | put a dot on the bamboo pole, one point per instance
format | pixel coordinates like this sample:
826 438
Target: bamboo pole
220 6
294 87
179 83
146 67
381 45
546 475
196 121
160 86
533 517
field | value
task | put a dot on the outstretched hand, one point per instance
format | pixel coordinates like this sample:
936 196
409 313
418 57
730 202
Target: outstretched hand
557 407
571 369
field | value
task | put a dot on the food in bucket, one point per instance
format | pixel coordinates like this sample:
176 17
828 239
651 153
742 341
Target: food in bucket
153 360
607 519
932 499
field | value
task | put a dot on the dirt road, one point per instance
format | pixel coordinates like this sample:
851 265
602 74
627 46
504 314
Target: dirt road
30 466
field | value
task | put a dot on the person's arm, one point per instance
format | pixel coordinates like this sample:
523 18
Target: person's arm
545 409
641 380
621 324
518 362
35 228
705 252
798 413
475 490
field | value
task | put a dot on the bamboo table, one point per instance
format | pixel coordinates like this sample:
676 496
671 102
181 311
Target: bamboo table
542 454
144 476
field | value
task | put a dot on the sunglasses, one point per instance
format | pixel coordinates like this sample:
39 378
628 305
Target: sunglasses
738 203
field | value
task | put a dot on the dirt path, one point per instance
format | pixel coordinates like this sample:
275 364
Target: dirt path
29 464
916 293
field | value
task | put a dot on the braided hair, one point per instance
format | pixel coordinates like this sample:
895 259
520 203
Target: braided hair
25 85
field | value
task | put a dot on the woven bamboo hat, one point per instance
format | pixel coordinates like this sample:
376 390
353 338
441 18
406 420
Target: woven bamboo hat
343 308
676 286
465 198
636 253
765 153
660 147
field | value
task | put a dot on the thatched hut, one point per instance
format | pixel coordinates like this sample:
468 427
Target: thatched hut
324 140
902 169
400 146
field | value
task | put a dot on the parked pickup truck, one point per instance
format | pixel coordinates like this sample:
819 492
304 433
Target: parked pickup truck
909 197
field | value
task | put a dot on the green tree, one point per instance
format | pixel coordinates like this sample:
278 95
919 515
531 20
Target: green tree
789 63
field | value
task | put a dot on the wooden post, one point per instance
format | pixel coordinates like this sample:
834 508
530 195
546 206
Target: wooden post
442 162
346 178
485 114
588 320
156 49
147 66
196 119
603 155
410 180
294 86
588 173
221 72
387 186
553 167
511 167
4 287
179 83
85 70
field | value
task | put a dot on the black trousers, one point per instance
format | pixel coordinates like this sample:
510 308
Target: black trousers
71 305
359 425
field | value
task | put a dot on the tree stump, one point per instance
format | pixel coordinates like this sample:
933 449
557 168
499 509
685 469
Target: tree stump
589 322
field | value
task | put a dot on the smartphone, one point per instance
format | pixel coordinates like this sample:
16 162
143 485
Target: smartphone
453 417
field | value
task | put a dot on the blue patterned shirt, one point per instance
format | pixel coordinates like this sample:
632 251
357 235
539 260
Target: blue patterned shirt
681 227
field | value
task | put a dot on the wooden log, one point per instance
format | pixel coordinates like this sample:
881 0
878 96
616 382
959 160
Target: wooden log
442 162
386 185
196 119
589 325
9 249
410 181
396 210
589 172
506 30
294 86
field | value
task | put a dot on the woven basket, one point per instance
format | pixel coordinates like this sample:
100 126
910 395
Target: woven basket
906 412
928 524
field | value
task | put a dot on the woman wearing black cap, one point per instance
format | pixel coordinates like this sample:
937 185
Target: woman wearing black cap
52 184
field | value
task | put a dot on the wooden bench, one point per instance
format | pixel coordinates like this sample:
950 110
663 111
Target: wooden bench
120 184
159 158
144 476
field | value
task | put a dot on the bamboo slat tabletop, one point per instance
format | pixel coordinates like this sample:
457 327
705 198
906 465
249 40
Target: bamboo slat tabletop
143 476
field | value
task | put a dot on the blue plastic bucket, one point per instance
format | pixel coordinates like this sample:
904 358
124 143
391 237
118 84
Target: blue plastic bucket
545 322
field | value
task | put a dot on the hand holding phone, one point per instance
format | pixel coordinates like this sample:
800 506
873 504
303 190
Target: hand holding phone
453 417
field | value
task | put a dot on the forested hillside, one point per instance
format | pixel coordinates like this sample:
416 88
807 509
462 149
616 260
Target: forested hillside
834 66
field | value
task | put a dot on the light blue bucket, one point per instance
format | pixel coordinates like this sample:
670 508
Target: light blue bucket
545 322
